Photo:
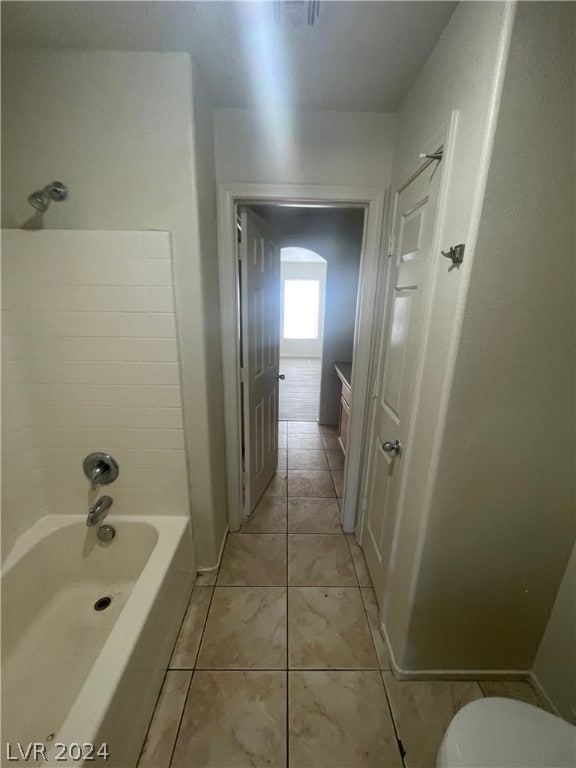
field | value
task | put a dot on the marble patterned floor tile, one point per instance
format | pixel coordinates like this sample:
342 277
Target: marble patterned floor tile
282 459
255 559
314 516
307 459
340 719
188 641
268 517
305 442
373 612
514 689
310 483
328 629
303 428
422 710
277 486
317 559
246 629
335 459
282 427
359 561
329 429
161 737
331 443
233 720
282 442
206 579
338 480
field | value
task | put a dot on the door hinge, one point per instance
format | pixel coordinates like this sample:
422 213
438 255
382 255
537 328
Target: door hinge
390 246
364 504
376 389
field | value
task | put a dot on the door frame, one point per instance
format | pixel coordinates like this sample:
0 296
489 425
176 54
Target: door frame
231 195
444 136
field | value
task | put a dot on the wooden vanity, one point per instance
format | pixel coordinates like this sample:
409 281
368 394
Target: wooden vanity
344 373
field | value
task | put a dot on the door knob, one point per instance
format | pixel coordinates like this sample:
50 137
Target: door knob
280 376
389 447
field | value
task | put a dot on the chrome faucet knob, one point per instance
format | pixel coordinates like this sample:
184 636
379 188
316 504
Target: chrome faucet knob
100 468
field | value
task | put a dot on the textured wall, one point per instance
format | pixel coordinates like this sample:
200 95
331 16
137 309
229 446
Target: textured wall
130 133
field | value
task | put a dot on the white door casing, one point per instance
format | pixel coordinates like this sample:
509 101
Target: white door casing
414 217
260 324
232 195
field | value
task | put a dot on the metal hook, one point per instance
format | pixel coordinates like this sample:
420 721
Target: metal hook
456 253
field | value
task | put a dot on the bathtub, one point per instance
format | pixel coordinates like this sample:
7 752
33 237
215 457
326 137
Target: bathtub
74 675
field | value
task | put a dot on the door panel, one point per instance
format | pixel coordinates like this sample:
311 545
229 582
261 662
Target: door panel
260 303
400 344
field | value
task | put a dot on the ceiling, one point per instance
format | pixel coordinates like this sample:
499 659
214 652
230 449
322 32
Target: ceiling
359 56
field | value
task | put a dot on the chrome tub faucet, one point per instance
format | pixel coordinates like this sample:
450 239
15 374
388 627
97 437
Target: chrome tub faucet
97 512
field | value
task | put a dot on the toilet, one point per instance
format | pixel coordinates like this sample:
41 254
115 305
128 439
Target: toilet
505 733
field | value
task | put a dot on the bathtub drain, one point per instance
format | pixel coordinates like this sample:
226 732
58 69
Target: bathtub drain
103 603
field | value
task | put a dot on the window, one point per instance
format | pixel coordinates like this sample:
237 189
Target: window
301 309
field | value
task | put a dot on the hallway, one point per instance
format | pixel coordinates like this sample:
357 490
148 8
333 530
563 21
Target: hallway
279 660
299 393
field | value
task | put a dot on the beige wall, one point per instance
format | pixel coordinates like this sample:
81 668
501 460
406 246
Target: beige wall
555 664
117 128
351 149
90 363
501 520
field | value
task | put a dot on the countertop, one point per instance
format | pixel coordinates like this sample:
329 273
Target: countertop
344 372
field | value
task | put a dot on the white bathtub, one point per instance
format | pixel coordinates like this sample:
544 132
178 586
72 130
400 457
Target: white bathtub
74 675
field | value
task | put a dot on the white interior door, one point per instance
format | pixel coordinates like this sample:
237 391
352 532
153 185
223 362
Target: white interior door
260 320
400 344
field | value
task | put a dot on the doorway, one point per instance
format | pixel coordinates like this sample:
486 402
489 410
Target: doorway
368 205
303 275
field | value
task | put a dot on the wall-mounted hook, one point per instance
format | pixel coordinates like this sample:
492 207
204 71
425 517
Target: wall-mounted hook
456 253
432 156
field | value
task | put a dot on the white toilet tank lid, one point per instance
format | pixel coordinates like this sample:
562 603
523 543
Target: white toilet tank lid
505 733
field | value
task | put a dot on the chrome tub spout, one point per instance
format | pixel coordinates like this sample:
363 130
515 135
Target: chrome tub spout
97 512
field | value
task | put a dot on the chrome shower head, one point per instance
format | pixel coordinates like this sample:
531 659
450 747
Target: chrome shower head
42 197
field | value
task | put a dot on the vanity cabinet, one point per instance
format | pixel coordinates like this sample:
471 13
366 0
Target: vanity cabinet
344 371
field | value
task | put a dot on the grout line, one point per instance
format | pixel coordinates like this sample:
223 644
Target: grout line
393 719
192 675
280 669
153 715
181 720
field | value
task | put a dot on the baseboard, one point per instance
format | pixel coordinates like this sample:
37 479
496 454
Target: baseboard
535 683
450 674
213 568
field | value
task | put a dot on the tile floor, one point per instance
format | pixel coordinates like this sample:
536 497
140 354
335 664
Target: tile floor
280 662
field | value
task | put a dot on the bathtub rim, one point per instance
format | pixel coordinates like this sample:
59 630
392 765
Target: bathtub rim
94 697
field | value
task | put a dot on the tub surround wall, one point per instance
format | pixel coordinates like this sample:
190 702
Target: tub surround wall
121 129
89 317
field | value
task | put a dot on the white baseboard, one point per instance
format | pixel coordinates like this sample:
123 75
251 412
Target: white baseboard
450 674
213 568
